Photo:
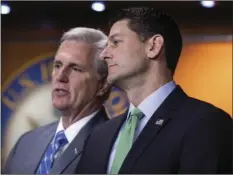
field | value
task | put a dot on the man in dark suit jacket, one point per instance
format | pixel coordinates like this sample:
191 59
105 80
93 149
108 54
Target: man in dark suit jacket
164 130
79 89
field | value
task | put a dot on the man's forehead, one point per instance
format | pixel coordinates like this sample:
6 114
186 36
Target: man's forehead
62 54
119 28
69 57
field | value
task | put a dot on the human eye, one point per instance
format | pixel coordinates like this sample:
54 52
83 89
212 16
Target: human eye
115 42
76 68
57 65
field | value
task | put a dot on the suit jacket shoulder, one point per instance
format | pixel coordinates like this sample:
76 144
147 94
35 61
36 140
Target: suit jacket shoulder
37 139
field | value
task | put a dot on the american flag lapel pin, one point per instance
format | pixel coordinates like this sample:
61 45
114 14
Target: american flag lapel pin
159 122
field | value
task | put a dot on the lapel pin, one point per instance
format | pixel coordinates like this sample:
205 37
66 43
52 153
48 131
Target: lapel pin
159 122
75 151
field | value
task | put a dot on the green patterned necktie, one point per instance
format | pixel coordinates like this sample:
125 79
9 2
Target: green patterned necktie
126 139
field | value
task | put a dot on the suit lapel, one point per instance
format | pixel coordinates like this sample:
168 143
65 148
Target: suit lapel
109 132
160 118
40 146
75 148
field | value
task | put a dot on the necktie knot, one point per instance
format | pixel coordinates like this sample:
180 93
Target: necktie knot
60 139
137 112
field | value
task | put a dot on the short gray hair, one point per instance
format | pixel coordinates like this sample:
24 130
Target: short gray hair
91 36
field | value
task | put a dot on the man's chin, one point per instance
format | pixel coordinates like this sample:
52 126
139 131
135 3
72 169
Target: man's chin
115 80
60 107
112 79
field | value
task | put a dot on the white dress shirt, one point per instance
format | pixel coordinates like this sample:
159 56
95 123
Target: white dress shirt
72 131
148 106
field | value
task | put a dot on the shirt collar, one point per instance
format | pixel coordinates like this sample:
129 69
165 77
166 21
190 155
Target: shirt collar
74 129
151 103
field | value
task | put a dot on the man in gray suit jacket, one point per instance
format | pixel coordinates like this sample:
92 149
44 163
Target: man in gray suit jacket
79 89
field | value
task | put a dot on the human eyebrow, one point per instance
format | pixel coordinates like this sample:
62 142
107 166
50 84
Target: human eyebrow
114 36
75 66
